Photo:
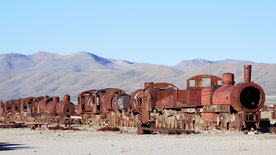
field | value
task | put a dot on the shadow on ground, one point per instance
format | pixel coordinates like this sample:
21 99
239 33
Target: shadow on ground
9 147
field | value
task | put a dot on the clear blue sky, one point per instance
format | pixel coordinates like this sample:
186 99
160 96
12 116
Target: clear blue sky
153 31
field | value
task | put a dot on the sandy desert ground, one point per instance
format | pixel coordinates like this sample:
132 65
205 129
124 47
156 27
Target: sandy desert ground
91 142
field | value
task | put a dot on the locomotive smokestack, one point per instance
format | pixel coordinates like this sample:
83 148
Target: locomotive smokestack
66 98
56 99
147 84
247 73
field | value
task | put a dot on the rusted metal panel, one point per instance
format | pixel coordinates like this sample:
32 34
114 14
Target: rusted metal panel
180 95
157 93
42 104
194 96
17 106
207 94
165 103
101 99
121 102
136 101
8 106
29 105
51 106
65 107
2 107
85 101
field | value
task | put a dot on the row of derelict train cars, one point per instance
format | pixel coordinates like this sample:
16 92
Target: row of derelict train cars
158 107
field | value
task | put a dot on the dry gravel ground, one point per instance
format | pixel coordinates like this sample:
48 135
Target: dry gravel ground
26 141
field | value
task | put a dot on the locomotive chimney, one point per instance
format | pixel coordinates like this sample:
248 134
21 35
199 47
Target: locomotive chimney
66 98
228 79
247 73
45 97
147 84
56 99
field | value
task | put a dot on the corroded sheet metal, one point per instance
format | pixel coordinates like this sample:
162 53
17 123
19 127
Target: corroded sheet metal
136 101
51 106
247 97
29 105
85 101
121 102
42 104
101 99
65 107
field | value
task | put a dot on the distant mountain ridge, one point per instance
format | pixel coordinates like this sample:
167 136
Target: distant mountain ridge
186 65
52 74
44 61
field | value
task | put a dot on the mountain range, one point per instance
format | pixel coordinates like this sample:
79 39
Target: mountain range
52 74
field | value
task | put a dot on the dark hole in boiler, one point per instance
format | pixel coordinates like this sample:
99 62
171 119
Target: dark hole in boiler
250 97
68 110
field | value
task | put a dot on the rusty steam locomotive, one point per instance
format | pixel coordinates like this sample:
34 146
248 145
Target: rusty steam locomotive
161 107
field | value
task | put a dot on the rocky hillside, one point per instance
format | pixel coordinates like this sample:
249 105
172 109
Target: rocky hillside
52 74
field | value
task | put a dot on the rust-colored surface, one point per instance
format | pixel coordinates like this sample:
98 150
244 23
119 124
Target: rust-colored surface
152 94
101 99
42 104
51 106
248 96
207 94
273 115
1 108
65 107
17 106
85 101
136 101
194 93
121 102
29 105
247 73
8 106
